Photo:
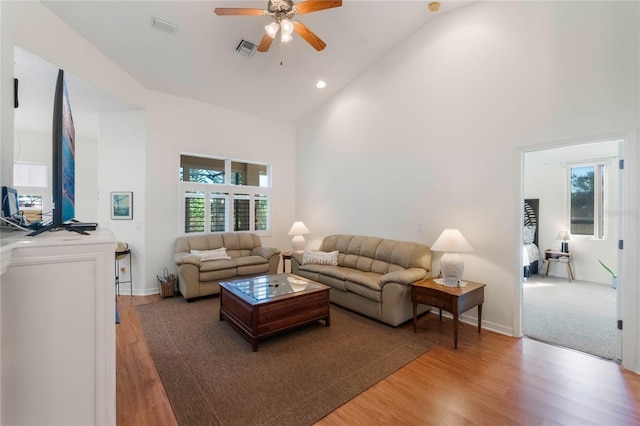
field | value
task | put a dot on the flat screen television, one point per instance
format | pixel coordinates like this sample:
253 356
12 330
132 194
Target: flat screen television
63 165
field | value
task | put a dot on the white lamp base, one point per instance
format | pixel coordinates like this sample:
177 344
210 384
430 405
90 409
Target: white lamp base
451 267
298 243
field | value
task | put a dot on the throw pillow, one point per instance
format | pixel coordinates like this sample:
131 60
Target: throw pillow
529 234
216 254
320 257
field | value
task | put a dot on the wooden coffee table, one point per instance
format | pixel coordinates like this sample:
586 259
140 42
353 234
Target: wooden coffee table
262 306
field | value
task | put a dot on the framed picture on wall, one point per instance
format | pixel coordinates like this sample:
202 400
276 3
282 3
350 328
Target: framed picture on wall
122 205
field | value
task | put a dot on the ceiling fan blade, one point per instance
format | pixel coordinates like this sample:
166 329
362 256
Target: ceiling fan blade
239 11
309 36
265 43
310 6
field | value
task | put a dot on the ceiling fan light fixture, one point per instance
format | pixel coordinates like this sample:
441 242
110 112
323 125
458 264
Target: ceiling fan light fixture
285 37
272 29
286 26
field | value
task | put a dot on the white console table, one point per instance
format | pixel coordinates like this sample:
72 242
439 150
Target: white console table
57 325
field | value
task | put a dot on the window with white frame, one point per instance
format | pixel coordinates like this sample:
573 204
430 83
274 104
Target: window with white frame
221 195
587 200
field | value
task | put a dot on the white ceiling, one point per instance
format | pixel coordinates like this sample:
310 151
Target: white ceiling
36 87
200 61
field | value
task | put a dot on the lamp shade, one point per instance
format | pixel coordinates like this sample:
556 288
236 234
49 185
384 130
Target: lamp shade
272 29
451 241
299 228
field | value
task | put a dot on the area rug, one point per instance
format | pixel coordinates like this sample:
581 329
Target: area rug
212 377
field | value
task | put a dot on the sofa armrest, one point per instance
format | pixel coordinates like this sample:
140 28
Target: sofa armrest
406 276
297 255
182 258
265 252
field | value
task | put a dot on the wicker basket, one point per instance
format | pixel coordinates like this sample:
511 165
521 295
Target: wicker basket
166 284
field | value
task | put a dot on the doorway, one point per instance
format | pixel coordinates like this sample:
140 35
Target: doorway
575 303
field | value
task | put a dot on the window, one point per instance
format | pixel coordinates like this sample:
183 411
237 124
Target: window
238 195
30 174
586 203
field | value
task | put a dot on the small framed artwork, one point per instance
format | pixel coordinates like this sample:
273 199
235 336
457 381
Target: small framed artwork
122 205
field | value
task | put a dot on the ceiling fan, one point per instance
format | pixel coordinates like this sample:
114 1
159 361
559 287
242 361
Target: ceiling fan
283 12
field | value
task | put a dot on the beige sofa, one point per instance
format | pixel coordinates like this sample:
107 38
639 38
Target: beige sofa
198 276
371 275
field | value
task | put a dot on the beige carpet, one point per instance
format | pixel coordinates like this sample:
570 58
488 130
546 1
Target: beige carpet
296 378
578 315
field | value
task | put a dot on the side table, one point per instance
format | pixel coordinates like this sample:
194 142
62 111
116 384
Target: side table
286 255
455 300
558 257
119 256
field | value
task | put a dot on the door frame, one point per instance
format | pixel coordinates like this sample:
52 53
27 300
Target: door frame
628 230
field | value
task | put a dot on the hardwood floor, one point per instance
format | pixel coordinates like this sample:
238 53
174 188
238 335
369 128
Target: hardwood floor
490 379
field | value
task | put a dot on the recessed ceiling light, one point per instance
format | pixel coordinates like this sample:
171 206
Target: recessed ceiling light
321 84
434 6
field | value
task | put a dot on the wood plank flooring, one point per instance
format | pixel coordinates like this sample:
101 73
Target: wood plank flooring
490 379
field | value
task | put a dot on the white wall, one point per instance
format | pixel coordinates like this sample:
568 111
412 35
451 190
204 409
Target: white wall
122 158
432 134
181 125
545 178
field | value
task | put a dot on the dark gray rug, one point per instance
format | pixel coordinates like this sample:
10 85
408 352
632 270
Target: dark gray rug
296 378
578 315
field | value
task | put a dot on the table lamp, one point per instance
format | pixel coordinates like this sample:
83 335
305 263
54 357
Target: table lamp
452 243
564 236
298 230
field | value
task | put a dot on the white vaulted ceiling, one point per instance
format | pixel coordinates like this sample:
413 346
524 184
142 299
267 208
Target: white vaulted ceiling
199 61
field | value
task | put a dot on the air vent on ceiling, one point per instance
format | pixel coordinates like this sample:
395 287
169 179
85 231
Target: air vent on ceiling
164 26
246 48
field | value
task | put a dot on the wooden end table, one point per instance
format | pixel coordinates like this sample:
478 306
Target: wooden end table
455 300
286 255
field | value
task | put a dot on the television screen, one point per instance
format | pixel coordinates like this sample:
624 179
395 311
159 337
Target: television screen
63 165
64 172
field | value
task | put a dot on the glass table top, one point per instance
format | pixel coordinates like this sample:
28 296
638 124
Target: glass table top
269 286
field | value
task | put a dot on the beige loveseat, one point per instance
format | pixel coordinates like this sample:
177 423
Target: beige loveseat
198 276
370 275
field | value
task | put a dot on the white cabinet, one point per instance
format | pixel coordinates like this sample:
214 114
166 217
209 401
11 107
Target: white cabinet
57 306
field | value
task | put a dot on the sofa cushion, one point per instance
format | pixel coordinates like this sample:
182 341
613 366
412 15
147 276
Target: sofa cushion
339 272
240 241
332 282
367 279
218 275
217 265
364 291
261 268
250 260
